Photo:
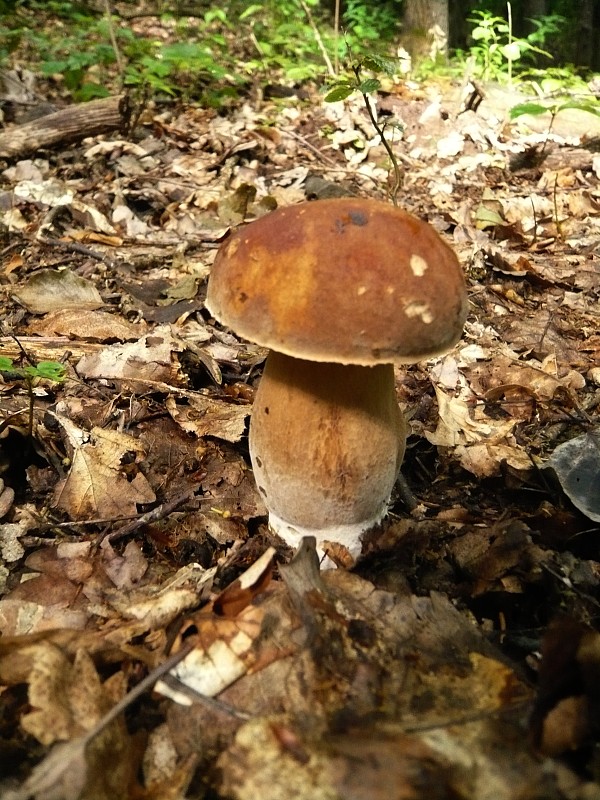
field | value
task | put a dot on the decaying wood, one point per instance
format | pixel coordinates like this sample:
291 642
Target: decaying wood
46 348
67 125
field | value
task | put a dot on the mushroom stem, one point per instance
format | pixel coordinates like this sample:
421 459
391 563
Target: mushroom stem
326 443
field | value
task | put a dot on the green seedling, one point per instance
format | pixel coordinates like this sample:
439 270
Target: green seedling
51 371
344 87
536 109
47 370
496 51
554 109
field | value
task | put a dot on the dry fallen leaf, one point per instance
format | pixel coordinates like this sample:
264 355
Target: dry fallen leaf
56 290
577 467
208 416
80 324
97 484
151 359
226 634
455 423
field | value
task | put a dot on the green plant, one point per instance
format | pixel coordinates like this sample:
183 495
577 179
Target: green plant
283 40
555 81
52 371
207 58
495 50
344 87
46 370
173 69
294 38
365 22
97 55
76 64
554 108
10 39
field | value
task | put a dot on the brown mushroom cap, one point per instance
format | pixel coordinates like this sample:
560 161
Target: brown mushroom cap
350 281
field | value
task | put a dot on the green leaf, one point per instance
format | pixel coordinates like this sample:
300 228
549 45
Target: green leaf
50 370
53 67
6 364
215 14
91 91
158 68
338 93
250 11
370 85
479 33
380 64
512 51
580 105
535 109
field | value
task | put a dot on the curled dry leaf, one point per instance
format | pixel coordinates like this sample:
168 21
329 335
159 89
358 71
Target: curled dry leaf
455 424
154 606
485 460
226 634
208 416
56 290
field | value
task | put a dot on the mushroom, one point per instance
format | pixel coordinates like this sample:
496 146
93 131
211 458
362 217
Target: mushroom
338 290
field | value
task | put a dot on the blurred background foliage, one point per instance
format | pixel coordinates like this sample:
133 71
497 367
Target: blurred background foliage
213 52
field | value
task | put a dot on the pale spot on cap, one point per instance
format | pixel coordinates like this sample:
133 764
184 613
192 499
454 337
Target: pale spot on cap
418 265
361 290
233 247
419 309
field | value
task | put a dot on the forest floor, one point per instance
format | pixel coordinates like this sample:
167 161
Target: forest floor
460 658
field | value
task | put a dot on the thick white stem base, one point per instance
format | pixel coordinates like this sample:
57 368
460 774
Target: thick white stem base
348 535
326 443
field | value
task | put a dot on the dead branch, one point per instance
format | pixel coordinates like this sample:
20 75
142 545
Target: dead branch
67 125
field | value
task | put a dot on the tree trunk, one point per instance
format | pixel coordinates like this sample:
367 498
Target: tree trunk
459 12
531 9
426 28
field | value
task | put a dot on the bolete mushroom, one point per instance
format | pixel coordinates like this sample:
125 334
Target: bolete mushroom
338 290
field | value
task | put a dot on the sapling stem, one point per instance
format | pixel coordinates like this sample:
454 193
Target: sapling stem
356 69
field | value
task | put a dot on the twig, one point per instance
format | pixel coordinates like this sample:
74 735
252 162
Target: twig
160 512
113 38
318 39
210 702
466 719
336 35
76 247
310 146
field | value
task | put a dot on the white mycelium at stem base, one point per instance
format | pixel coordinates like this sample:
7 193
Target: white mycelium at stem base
326 442
338 290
